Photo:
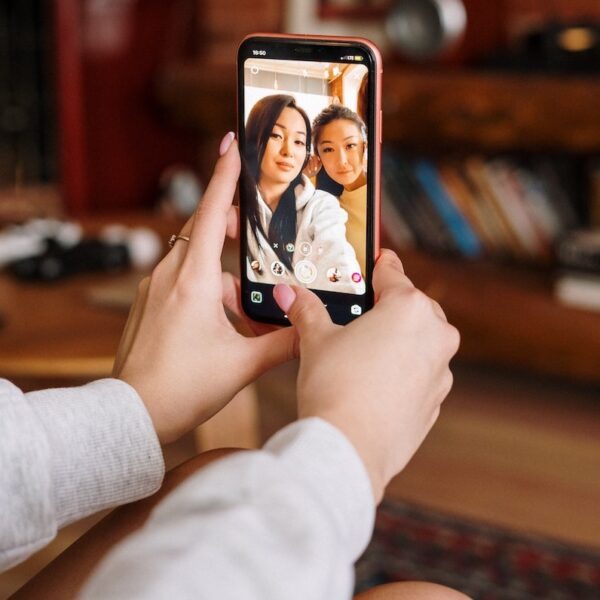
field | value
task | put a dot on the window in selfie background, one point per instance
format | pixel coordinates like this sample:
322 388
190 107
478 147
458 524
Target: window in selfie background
314 85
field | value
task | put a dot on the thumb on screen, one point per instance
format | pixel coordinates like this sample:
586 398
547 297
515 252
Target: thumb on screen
303 308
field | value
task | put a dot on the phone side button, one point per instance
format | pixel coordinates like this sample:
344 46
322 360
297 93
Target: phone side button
381 127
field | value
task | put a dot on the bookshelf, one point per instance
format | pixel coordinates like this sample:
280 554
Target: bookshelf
506 313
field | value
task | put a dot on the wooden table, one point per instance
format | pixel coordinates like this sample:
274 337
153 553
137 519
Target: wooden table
53 331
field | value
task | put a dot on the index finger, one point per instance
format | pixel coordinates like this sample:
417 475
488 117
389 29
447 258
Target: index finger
209 224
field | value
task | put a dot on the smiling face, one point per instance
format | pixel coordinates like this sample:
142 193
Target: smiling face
285 151
341 149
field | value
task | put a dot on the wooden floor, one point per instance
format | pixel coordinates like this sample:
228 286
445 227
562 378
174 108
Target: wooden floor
510 449
515 450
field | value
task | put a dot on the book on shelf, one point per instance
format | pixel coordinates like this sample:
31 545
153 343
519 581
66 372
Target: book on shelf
523 216
476 171
393 224
553 176
461 231
521 221
413 206
533 193
500 207
487 212
458 192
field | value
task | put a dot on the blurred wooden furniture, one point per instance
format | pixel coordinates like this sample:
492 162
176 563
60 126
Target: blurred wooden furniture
491 111
52 332
57 334
507 315
467 109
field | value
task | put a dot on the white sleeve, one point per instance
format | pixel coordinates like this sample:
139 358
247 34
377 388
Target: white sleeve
328 230
67 453
287 522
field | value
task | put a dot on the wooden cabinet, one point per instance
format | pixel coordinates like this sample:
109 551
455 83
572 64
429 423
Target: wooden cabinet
463 110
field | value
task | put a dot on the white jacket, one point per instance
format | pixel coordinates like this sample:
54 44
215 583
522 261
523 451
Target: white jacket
287 521
319 247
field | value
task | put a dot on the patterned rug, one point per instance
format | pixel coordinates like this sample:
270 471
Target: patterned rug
484 562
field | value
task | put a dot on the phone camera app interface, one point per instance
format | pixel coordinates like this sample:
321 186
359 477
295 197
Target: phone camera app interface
305 163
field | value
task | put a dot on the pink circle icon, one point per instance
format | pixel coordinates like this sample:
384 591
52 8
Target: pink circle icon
356 277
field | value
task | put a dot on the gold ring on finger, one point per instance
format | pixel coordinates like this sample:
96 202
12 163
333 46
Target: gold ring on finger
175 237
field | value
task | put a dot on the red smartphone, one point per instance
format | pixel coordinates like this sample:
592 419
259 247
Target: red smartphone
309 128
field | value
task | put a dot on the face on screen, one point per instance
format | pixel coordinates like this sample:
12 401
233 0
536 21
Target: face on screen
285 150
341 147
305 152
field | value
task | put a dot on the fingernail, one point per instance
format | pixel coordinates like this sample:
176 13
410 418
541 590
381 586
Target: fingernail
284 296
226 142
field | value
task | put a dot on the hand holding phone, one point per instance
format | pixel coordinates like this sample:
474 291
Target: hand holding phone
309 131
380 380
179 350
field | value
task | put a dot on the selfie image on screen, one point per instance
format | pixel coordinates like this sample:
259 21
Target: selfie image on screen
305 173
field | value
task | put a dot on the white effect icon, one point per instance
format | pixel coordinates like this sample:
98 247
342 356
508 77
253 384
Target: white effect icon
355 309
305 271
305 248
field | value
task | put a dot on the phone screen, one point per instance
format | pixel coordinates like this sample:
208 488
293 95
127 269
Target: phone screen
307 187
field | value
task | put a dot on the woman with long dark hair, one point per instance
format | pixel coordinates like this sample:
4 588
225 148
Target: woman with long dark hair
295 234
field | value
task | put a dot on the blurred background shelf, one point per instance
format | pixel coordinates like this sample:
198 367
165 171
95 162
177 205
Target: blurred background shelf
507 316
485 110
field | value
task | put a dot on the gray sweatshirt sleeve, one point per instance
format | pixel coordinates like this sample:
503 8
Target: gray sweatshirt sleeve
66 453
285 522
